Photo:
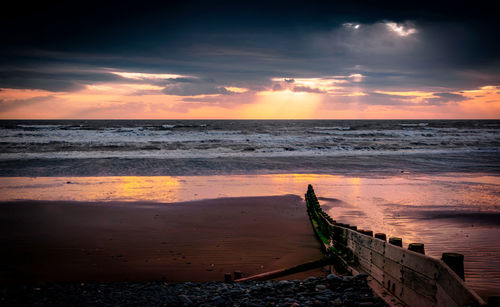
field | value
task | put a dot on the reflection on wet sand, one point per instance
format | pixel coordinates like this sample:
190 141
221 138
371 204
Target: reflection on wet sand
446 212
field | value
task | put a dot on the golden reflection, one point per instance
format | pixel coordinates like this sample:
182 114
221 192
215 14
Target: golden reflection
138 187
355 180
312 178
124 188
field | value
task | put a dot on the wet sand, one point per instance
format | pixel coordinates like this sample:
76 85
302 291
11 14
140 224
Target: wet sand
61 241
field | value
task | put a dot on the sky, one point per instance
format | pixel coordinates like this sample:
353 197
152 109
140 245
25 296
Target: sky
249 60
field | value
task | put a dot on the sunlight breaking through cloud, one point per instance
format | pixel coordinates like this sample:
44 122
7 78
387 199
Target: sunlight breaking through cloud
400 30
146 76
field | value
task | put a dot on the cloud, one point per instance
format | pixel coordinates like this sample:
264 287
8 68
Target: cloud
442 98
55 79
191 86
401 29
356 77
8 105
305 89
194 89
371 99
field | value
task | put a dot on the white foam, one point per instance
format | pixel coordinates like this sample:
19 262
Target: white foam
414 125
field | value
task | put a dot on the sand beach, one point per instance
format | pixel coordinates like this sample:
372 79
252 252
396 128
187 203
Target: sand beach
61 241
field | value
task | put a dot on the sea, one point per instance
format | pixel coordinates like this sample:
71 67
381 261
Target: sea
435 182
201 147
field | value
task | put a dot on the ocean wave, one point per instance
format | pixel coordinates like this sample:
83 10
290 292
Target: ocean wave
224 152
47 126
341 128
414 125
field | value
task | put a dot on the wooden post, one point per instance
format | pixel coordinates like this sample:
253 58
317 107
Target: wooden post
396 241
381 236
455 262
227 277
417 247
366 232
237 275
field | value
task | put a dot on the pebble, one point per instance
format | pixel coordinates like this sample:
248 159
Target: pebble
185 300
313 291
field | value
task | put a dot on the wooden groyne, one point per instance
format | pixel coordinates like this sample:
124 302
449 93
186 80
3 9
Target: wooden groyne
408 274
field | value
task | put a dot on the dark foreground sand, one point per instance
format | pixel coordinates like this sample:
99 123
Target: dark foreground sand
192 241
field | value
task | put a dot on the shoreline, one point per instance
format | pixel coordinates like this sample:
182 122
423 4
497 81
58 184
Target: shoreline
356 165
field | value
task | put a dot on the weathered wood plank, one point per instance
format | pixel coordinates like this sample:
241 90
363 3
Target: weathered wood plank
414 299
378 260
365 240
365 265
377 273
394 253
393 268
455 287
378 246
364 253
420 263
419 283
443 298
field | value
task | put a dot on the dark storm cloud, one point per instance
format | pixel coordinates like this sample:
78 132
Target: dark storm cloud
54 80
246 44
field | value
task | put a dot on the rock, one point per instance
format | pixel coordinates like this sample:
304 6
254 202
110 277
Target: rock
361 277
185 300
218 301
320 287
337 302
333 277
284 283
309 279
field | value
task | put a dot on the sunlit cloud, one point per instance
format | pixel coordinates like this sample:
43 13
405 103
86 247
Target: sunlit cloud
400 29
350 25
328 84
236 89
356 77
146 76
